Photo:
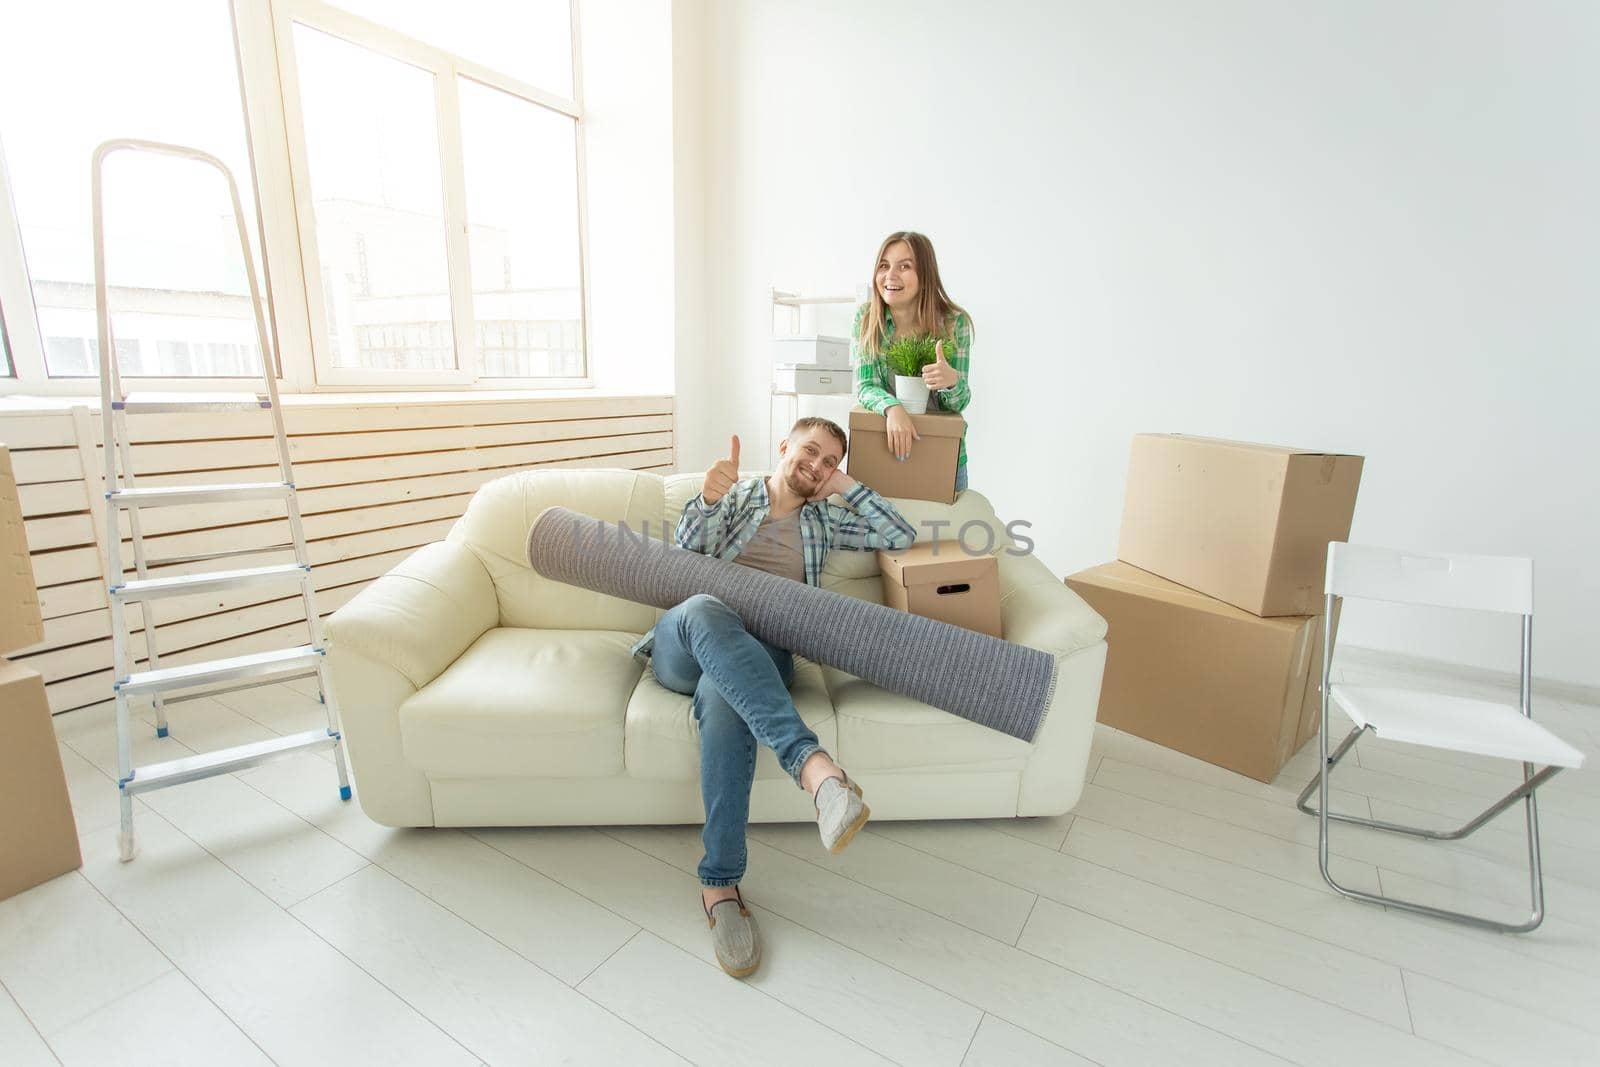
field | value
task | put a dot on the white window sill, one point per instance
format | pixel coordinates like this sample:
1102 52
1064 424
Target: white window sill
22 404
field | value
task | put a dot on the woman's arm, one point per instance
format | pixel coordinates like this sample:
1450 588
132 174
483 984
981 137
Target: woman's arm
870 391
959 395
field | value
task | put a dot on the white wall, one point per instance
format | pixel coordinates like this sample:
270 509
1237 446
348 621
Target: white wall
627 71
694 364
1366 227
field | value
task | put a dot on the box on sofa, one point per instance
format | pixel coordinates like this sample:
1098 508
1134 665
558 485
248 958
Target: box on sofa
942 580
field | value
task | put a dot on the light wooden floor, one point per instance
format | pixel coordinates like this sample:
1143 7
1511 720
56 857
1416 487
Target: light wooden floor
1176 916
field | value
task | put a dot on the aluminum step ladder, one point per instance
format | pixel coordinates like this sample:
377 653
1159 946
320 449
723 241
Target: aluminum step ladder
126 496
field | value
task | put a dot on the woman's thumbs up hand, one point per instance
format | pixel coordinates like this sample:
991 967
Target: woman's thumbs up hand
939 374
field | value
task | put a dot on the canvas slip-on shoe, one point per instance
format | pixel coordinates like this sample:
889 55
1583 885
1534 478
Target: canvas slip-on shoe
841 813
734 935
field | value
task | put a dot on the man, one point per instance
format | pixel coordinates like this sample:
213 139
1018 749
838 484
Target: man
783 525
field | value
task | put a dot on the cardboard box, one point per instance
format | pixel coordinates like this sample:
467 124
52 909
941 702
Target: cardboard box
940 580
1194 674
930 472
1248 524
38 836
20 622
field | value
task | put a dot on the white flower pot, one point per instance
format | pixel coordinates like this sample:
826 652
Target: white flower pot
912 392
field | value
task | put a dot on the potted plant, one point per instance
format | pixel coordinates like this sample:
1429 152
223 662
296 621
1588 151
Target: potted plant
906 356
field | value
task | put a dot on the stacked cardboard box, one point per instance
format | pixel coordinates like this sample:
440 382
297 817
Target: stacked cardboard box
38 836
1214 607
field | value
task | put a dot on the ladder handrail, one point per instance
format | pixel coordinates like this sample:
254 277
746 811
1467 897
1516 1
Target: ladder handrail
103 308
114 416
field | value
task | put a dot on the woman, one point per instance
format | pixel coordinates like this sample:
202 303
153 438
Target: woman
908 298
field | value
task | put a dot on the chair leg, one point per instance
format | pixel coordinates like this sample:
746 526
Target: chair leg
1524 792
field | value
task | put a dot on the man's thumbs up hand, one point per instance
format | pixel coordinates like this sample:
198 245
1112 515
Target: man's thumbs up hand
723 473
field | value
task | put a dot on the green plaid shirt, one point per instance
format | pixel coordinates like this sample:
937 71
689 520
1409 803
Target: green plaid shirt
875 392
723 529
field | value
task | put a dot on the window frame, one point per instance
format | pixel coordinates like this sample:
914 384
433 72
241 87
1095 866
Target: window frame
285 226
445 67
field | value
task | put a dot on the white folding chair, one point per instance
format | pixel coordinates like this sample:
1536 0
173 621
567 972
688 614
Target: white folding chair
1439 720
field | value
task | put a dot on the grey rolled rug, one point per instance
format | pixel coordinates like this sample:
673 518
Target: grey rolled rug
995 683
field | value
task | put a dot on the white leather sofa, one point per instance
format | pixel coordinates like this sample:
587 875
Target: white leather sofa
475 692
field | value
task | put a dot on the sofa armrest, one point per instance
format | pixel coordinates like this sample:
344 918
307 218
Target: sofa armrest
422 615
397 635
1038 609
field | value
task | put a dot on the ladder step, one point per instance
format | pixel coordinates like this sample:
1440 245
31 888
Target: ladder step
224 760
207 557
218 670
166 495
152 403
183 585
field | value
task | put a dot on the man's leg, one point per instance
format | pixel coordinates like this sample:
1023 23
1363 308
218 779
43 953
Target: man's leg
745 671
727 749
727 770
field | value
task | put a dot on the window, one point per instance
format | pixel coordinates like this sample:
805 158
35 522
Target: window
373 159
419 168
75 73
530 41
520 160
445 227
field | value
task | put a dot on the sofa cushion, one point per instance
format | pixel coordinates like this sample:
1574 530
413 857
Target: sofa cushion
879 730
496 524
546 703
663 740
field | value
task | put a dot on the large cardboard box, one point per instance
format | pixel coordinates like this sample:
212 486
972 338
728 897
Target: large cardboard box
1194 674
941 580
1245 523
929 473
38 836
20 623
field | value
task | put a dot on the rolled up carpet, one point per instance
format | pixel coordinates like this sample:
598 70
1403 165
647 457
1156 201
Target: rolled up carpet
995 683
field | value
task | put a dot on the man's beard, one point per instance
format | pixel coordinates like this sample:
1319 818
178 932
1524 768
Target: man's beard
798 486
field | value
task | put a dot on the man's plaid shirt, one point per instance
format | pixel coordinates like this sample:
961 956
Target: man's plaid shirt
724 528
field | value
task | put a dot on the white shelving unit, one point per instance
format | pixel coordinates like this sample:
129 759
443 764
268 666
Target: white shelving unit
788 388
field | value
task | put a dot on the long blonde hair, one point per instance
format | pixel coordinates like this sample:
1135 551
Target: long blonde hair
936 312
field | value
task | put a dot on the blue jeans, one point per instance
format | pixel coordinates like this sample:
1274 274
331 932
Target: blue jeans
961 477
740 686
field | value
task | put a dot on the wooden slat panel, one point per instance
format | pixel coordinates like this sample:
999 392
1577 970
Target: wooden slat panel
92 688
64 565
65 663
72 661
59 531
388 480
82 564
317 527
84 595
37 431
376 482
53 498
302 420
161 458
46 465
